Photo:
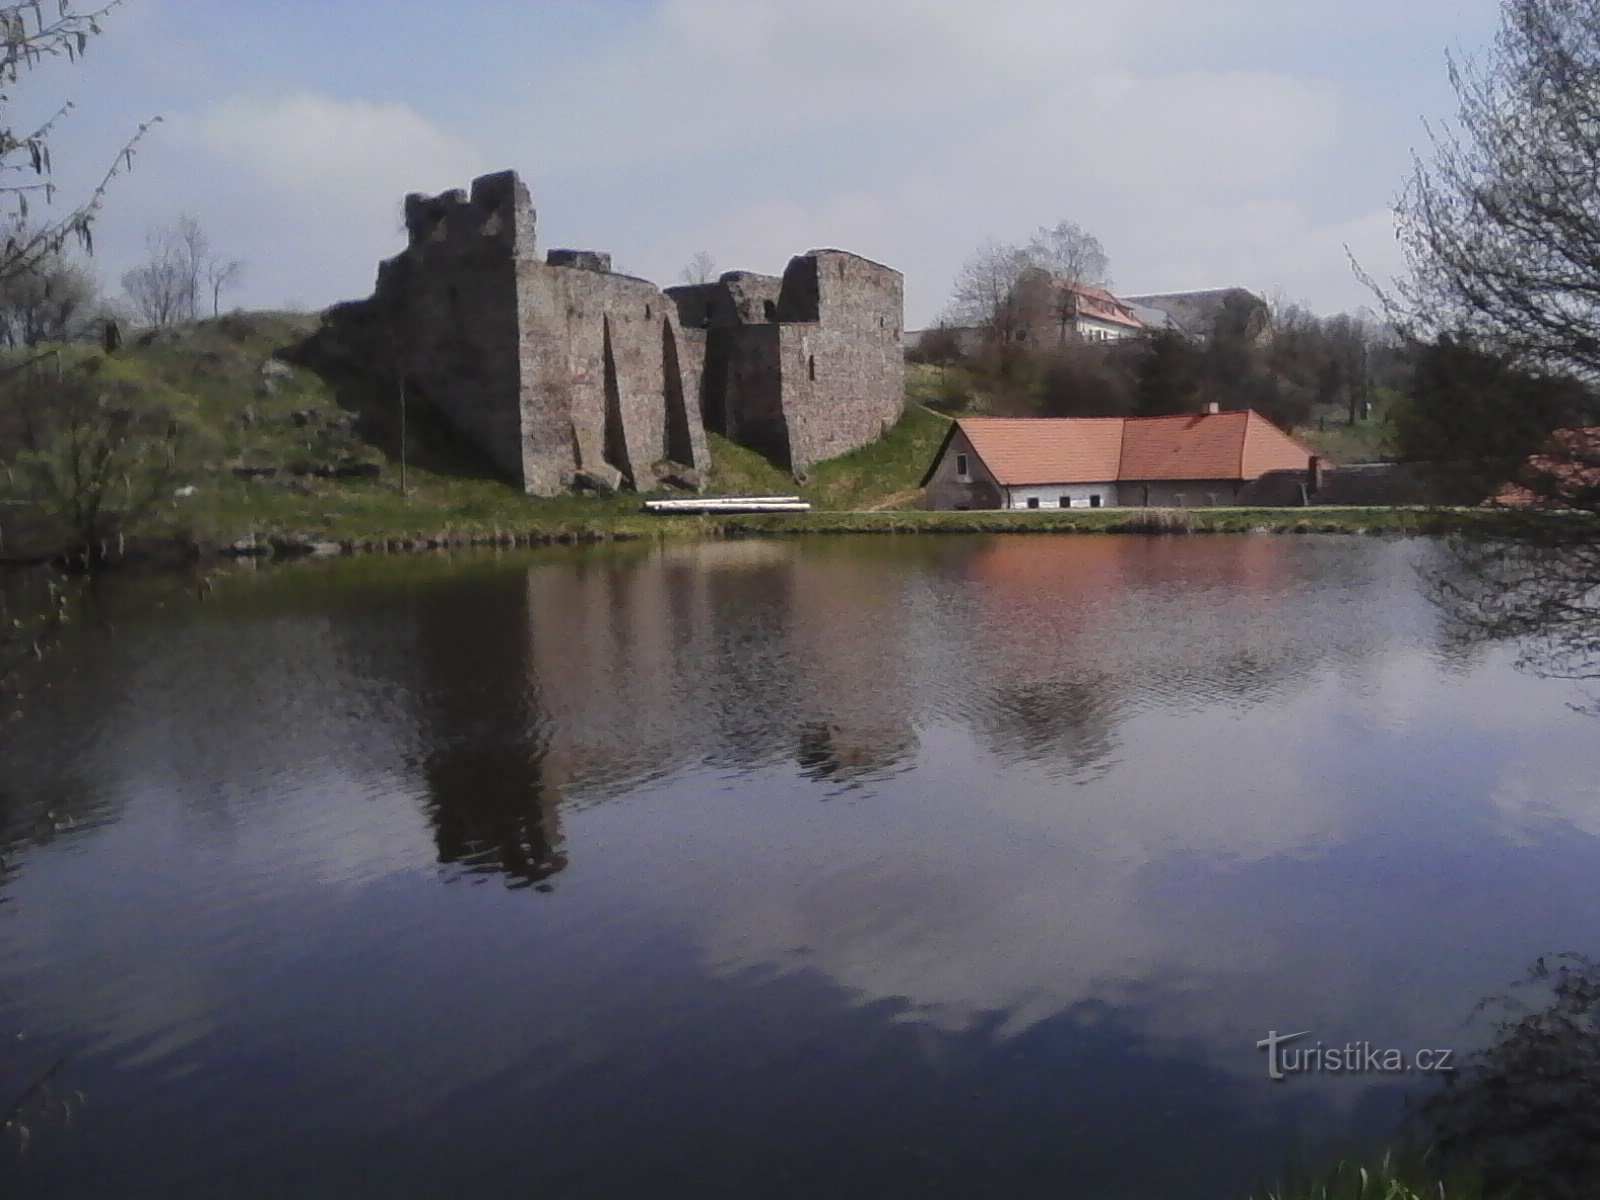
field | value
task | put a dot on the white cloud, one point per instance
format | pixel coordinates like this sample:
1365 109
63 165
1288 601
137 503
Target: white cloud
350 156
305 187
1234 142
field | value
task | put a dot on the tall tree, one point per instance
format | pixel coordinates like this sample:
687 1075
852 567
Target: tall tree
1068 252
984 291
1501 229
166 288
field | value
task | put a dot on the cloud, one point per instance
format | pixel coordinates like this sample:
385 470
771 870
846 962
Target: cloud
347 155
306 188
1234 142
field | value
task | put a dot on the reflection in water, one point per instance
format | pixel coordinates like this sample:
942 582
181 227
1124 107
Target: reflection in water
1540 591
1524 1113
1102 812
493 791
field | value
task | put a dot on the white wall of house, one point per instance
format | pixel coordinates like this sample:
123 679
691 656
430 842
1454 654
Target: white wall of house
1064 495
1094 330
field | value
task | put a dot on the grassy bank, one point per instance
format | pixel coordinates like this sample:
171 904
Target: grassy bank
388 526
1127 520
281 459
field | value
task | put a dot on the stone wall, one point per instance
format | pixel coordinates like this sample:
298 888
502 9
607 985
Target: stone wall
844 367
567 374
561 371
605 379
803 368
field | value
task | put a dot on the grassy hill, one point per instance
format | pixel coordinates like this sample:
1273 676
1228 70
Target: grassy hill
272 449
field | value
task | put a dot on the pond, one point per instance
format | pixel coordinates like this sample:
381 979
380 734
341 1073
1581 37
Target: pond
938 867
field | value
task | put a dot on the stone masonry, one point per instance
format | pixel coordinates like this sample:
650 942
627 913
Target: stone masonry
567 374
805 367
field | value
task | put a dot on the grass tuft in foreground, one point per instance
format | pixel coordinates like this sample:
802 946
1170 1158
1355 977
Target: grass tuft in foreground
1391 1178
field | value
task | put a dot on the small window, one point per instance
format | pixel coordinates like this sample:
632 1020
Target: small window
1094 500
770 310
961 465
647 313
811 368
1066 502
1033 502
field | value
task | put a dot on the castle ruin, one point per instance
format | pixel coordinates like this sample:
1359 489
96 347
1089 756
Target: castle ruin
567 374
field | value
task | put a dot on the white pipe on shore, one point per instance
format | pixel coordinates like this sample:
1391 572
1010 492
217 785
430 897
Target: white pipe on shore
729 504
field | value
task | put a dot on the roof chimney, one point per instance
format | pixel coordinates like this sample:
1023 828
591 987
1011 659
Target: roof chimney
1213 408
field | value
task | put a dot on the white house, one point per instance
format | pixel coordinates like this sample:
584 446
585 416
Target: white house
1100 462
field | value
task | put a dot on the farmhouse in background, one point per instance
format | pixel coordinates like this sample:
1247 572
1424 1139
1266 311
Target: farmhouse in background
1196 459
565 373
1047 309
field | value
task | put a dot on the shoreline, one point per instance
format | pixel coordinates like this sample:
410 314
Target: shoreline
611 524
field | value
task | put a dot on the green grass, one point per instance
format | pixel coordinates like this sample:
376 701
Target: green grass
1392 1177
1330 434
889 470
210 374
737 471
1123 520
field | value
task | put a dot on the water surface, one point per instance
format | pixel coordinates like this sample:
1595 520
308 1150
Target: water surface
936 867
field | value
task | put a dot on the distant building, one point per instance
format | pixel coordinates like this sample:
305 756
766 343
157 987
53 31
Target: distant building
1046 309
1197 459
1202 314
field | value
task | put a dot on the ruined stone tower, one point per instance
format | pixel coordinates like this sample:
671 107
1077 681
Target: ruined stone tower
805 367
567 374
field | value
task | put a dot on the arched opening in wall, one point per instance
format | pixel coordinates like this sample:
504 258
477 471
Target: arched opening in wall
616 436
678 445
811 368
770 309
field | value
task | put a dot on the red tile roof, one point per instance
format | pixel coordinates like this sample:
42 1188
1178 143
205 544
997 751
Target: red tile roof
1022 451
1019 450
1103 306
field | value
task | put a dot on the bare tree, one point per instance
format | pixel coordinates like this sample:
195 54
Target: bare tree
1502 228
702 268
985 288
165 290
31 33
1004 287
1069 253
221 275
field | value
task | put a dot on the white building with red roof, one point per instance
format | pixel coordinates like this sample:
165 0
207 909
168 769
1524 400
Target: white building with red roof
1047 309
1102 462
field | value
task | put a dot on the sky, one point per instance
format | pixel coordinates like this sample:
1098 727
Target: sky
1206 143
